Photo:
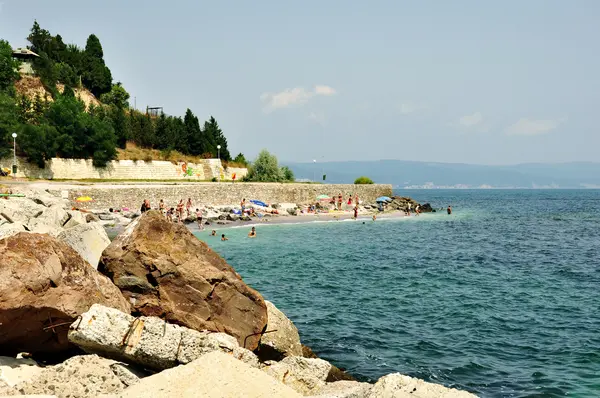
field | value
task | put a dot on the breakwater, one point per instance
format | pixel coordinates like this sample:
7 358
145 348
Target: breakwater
131 195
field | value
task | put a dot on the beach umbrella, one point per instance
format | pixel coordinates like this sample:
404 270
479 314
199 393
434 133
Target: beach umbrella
323 197
84 199
383 199
259 203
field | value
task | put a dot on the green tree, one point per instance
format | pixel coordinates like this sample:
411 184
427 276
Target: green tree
8 123
38 143
363 180
117 96
214 136
194 136
265 168
8 68
241 159
96 76
288 174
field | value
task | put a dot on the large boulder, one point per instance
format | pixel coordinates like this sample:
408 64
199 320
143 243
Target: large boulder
396 385
80 376
344 389
75 218
282 339
307 376
148 341
44 286
166 271
89 240
7 229
214 375
19 210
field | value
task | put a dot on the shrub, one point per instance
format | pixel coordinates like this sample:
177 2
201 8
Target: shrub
214 179
148 158
363 180
288 174
264 169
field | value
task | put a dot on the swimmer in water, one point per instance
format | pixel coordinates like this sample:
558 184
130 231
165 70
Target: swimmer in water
252 233
449 209
223 238
213 233
374 217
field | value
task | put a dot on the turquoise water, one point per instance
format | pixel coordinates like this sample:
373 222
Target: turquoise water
502 298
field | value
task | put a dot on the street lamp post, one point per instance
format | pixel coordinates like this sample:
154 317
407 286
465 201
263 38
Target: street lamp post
14 168
315 170
219 156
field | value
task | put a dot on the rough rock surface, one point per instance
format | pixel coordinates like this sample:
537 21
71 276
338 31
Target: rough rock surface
148 341
307 376
182 280
16 370
344 389
44 286
285 341
396 385
19 210
75 218
8 229
214 375
335 373
89 240
79 376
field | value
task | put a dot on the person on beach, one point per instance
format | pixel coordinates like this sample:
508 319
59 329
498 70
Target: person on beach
340 201
356 199
188 206
170 214
449 210
408 209
417 210
243 205
356 211
223 237
145 206
180 210
252 233
213 233
199 218
350 200
161 207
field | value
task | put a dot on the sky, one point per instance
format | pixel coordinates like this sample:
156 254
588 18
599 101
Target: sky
462 81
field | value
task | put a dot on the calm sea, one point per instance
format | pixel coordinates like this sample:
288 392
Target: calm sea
502 298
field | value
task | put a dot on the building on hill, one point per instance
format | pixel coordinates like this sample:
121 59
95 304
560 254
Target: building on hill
26 58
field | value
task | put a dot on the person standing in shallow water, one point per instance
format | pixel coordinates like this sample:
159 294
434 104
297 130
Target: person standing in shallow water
356 211
449 210
188 206
223 238
252 233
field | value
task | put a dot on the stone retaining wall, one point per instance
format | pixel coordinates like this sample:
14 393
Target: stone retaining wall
131 195
78 169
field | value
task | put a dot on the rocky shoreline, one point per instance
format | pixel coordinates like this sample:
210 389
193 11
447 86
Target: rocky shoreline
155 312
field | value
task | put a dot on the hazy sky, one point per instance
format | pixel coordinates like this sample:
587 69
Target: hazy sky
453 81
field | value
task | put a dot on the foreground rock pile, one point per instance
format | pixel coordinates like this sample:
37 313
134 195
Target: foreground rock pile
157 314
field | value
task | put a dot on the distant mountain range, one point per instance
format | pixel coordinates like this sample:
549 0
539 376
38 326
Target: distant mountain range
412 174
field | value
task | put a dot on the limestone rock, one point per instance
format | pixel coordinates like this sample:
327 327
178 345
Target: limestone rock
307 376
9 229
396 385
189 284
344 389
335 373
79 376
44 286
148 341
75 218
55 215
214 375
91 217
89 240
285 341
17 370
19 210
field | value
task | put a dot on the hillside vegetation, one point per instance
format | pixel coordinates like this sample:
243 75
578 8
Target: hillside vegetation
73 109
